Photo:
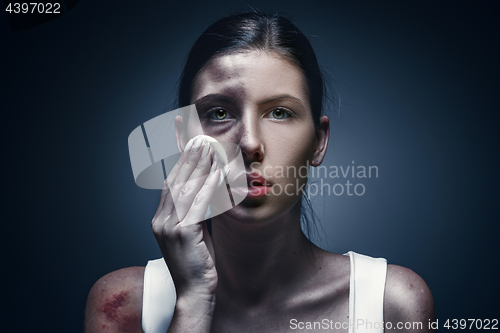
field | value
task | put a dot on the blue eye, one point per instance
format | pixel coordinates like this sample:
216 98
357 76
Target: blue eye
280 114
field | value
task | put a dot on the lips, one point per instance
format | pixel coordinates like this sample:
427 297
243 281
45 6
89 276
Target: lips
258 186
255 179
250 185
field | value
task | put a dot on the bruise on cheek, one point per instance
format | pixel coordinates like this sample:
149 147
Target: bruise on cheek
112 305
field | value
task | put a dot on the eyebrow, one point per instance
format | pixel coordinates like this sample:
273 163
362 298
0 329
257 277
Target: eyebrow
227 99
221 97
278 97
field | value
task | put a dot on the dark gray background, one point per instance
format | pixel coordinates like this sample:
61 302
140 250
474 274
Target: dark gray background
418 86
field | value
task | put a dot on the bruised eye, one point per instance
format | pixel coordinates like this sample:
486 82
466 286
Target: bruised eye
220 114
280 114
217 114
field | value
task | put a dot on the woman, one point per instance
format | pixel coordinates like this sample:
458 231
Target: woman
256 83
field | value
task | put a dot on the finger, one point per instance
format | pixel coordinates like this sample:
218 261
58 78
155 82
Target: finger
179 197
170 195
166 189
191 187
165 205
186 169
202 199
180 173
208 240
162 223
202 169
182 159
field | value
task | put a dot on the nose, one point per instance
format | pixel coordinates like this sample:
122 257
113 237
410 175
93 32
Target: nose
251 144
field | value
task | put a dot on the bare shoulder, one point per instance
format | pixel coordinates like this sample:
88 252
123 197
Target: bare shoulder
114 303
407 300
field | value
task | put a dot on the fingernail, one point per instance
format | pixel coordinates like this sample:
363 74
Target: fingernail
205 150
214 167
221 179
188 145
226 170
197 144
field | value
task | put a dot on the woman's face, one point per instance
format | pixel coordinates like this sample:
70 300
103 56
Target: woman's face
260 102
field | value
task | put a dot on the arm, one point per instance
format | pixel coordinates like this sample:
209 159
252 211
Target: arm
114 303
192 314
184 241
408 301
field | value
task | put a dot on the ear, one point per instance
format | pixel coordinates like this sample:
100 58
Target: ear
179 133
322 135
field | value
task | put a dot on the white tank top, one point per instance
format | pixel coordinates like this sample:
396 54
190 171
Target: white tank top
366 295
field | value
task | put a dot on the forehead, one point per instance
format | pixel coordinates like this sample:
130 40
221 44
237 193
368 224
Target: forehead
251 75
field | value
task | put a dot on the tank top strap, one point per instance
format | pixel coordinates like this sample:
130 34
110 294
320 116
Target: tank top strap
159 297
366 293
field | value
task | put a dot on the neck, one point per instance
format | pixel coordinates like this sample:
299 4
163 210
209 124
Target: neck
258 262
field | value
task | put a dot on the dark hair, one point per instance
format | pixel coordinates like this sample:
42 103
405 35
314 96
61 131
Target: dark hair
258 31
254 31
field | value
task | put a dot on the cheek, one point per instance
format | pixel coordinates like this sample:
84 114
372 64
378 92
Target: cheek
287 154
291 147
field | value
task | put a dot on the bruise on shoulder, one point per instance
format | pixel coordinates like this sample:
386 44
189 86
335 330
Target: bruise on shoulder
119 312
113 305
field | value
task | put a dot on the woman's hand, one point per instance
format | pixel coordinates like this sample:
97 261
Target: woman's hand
182 235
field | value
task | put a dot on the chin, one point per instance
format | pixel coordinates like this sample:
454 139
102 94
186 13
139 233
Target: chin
261 210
